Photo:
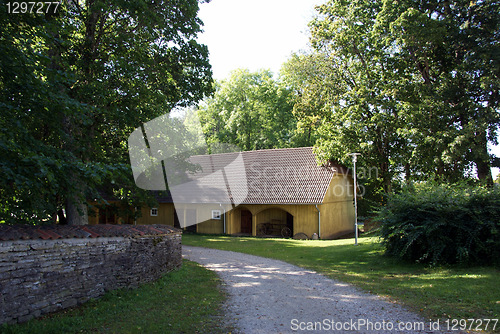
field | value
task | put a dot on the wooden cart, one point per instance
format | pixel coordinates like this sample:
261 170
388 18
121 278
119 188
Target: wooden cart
274 227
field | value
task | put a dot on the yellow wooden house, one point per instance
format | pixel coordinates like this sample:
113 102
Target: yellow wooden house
280 192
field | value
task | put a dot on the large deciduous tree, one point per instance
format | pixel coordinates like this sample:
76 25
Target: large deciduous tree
250 110
359 111
75 83
413 85
449 53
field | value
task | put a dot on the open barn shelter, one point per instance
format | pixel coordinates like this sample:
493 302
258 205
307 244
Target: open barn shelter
287 189
279 192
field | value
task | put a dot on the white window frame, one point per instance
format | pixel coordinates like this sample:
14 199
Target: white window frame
216 214
152 213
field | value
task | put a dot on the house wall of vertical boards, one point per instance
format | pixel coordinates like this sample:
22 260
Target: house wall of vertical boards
336 210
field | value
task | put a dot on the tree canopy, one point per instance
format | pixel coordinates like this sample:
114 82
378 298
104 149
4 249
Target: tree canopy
74 84
412 85
251 110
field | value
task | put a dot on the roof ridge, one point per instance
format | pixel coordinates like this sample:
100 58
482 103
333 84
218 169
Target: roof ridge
280 149
260 150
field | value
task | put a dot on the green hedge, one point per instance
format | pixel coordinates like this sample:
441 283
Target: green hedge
443 224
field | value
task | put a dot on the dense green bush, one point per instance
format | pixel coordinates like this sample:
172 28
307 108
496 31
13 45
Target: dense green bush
443 224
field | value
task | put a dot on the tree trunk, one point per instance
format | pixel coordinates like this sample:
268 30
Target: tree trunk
382 146
76 212
386 177
482 161
407 173
440 171
76 206
484 172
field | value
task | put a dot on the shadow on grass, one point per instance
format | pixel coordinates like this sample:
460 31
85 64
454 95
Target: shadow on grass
188 300
441 292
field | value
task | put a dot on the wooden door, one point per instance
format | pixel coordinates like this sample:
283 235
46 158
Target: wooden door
246 221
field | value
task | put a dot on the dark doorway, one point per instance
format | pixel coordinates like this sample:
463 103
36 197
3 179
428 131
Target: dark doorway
106 216
246 221
289 222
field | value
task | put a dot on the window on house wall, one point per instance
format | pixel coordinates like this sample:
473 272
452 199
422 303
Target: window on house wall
154 212
215 214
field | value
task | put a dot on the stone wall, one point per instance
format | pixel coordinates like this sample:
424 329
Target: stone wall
42 276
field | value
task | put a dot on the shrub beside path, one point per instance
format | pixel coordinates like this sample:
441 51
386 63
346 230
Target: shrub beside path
271 296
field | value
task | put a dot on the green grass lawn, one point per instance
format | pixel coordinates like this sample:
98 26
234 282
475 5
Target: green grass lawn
184 301
190 300
444 292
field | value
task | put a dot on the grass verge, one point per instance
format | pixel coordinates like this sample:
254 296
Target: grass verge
188 300
435 293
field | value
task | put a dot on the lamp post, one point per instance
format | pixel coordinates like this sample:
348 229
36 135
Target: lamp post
354 159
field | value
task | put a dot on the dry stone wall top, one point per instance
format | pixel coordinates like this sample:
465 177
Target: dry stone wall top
45 269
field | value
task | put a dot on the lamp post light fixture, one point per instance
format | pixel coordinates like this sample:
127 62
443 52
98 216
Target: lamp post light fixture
354 159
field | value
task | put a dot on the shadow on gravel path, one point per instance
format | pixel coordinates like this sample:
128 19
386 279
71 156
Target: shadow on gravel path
271 296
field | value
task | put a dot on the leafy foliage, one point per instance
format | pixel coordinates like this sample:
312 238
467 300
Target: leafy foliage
443 224
412 85
74 84
251 110
446 54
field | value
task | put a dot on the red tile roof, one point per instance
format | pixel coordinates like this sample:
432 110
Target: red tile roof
20 232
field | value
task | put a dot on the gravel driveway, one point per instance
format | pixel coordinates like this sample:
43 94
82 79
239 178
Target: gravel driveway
271 296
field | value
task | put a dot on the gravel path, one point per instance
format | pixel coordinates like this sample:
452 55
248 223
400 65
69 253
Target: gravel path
270 296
